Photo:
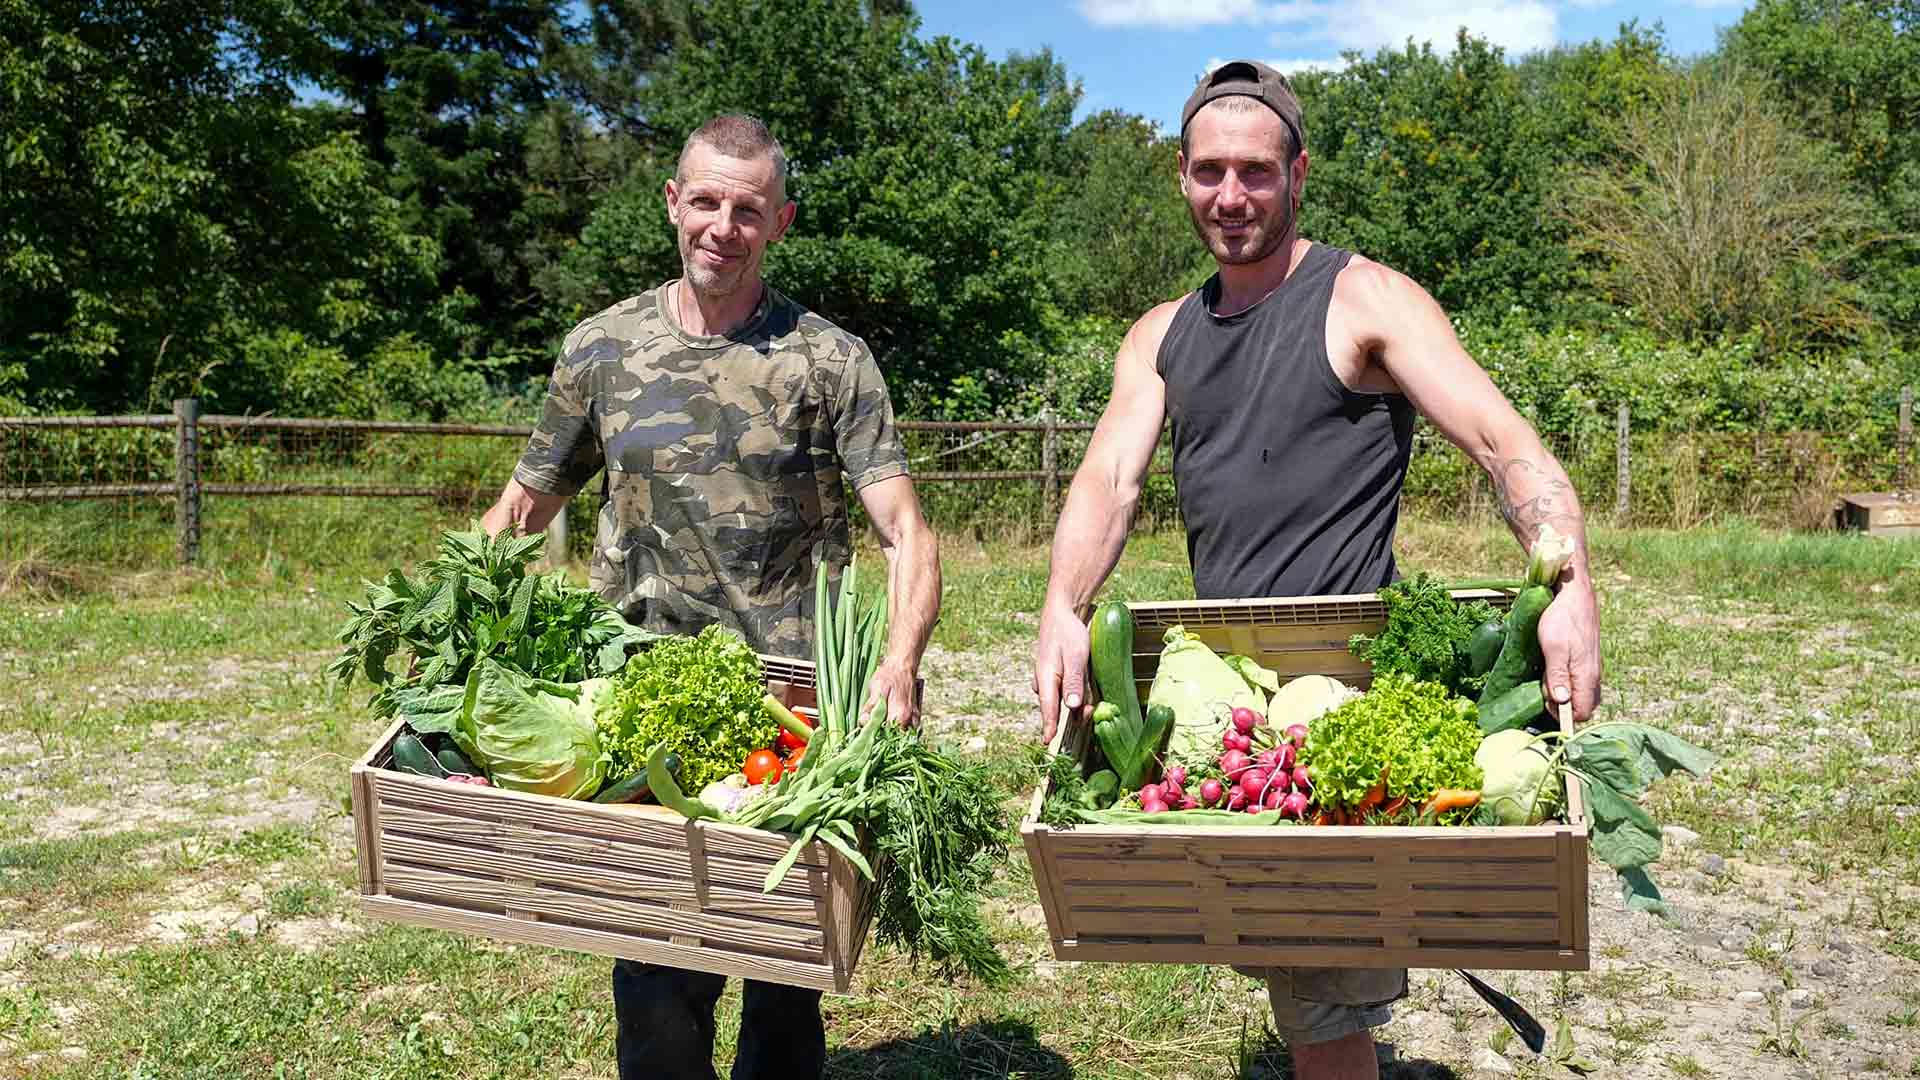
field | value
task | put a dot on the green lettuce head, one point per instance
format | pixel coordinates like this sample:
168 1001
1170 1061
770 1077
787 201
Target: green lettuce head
530 734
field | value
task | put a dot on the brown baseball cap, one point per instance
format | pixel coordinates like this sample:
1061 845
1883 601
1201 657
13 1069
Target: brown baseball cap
1249 78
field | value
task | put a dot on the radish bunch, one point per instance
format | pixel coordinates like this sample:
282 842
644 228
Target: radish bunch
1270 778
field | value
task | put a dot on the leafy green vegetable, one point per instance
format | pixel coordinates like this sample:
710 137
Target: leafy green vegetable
1419 735
475 599
699 697
1615 762
530 734
1427 634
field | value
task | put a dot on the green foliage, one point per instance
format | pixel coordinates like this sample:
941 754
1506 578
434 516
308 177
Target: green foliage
1419 735
1845 71
926 175
699 697
1426 634
1128 244
1438 166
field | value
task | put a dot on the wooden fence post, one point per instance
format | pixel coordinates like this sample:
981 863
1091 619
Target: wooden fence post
1050 464
1905 442
186 478
1623 465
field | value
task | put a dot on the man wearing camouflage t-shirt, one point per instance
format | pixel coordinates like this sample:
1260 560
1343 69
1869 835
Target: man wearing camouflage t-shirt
729 421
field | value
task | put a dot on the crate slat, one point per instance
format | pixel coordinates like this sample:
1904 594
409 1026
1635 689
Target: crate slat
601 942
1339 896
628 880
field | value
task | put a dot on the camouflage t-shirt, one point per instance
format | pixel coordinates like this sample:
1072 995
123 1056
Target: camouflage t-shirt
727 460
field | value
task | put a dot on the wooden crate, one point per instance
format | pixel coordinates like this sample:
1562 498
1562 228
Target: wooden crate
1324 896
1882 513
633 880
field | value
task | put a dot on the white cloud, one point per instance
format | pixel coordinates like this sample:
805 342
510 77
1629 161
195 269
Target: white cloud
1515 25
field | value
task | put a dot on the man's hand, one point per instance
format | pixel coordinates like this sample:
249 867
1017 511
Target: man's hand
1059 666
1570 642
892 685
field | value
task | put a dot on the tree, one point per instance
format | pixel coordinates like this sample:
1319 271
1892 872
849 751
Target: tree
1718 216
1127 243
1438 167
926 175
166 211
1848 71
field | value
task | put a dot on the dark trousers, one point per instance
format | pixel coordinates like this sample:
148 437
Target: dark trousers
665 1017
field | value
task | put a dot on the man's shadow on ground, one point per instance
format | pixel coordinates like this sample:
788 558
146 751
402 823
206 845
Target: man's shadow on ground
1012 1049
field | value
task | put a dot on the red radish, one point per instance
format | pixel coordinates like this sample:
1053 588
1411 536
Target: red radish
1189 803
1301 781
1236 799
1254 808
1297 734
1151 792
1273 799
1210 791
1154 807
1287 756
1234 762
1177 775
1245 720
1268 759
1172 793
1253 782
1229 739
1294 805
1243 743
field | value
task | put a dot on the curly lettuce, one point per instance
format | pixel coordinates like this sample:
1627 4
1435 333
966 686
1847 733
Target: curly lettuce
1418 734
699 697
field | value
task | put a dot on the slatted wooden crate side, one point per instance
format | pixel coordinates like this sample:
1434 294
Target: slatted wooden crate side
630 880
1511 897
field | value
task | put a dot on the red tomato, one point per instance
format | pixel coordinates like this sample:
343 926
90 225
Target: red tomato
794 759
763 766
788 742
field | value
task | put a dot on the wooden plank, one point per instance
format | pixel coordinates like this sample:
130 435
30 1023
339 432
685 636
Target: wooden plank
601 943
1046 878
1489 958
408 881
587 851
1073 869
482 862
1186 923
365 831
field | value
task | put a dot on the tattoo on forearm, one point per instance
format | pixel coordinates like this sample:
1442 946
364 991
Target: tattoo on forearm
1530 497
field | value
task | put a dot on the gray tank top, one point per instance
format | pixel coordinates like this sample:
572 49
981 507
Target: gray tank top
1289 482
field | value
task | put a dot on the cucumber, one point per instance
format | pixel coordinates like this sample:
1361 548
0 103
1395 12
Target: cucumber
635 787
410 755
1516 708
1519 658
1483 648
452 760
1110 654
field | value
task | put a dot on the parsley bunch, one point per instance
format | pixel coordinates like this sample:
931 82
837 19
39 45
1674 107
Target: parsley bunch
1426 634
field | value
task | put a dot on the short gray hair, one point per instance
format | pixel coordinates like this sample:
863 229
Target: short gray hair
737 135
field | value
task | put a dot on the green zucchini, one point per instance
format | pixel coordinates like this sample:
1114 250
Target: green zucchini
1483 648
1110 654
634 788
1519 658
452 760
1517 707
410 755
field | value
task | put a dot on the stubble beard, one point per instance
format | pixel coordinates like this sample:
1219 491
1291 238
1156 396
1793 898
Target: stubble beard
1269 236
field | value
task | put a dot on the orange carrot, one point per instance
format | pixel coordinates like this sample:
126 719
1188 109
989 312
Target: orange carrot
1447 799
1397 804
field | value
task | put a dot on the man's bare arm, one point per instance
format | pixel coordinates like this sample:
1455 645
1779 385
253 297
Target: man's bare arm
523 509
913 594
1093 526
1415 345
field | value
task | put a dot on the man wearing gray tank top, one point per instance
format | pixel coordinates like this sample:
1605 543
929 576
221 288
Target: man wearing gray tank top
1291 379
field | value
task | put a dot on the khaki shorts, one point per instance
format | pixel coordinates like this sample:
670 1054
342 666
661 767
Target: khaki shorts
1315 1005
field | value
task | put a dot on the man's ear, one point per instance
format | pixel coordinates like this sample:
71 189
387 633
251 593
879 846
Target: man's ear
672 194
783 221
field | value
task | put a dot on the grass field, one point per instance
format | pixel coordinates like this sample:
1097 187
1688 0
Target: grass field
177 874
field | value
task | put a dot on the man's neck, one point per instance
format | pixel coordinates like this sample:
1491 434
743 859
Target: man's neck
704 315
1246 284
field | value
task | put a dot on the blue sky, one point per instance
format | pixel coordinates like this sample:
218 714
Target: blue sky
1143 56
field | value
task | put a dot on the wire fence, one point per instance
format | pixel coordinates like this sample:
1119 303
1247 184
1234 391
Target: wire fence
134 490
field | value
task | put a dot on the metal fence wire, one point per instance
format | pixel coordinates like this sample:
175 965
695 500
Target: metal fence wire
137 485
